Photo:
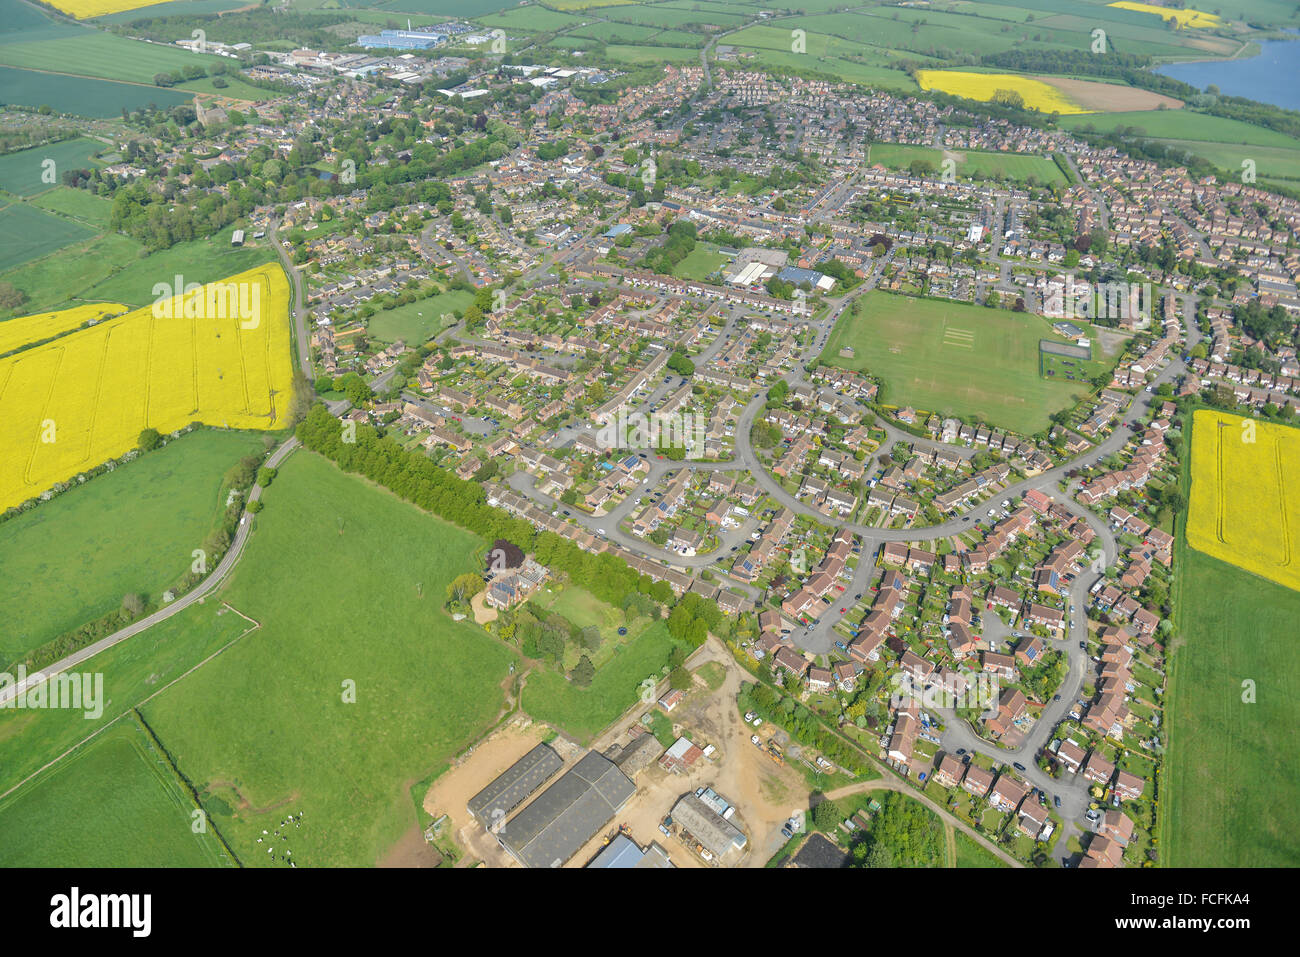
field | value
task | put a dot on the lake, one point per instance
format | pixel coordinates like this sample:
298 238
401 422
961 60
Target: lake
1268 77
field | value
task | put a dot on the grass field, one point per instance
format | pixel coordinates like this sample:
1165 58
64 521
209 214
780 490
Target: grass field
583 712
102 55
953 358
35 170
1183 125
417 322
80 549
532 19
700 263
55 281
82 95
971 164
114 803
28 233
1244 509
970 854
84 398
1222 801
79 204
263 730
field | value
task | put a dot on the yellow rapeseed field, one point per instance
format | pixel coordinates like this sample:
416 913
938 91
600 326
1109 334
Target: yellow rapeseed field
45 325
85 9
220 356
1184 18
1036 94
1245 501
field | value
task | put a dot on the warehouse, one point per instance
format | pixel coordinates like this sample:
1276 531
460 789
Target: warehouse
568 814
702 824
624 852
515 785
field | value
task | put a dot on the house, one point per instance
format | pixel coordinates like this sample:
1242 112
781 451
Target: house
820 680
1007 794
1070 756
1129 787
1103 852
1117 826
977 780
950 771
1098 770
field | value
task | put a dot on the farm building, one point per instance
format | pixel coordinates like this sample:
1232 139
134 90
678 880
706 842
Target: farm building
706 826
568 814
515 785
638 754
680 756
624 852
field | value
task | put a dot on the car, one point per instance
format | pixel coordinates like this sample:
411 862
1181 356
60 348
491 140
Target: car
566 512
755 739
1083 646
1056 697
843 610
1017 765
857 596
961 750
1056 799
643 455
786 832
600 531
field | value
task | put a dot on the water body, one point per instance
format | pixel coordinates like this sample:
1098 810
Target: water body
1268 77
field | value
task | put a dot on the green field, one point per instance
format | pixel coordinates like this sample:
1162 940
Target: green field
583 712
27 233
81 95
79 204
114 803
102 56
55 280
348 584
84 549
970 854
24 173
953 358
418 321
1222 800
533 19
972 164
1182 125
700 263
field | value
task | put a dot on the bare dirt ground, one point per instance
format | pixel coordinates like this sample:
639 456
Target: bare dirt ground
452 790
764 793
412 851
482 613
1110 97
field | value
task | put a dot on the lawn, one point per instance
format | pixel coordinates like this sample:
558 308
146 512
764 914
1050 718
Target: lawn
703 261
418 321
584 712
953 358
970 854
348 583
28 233
114 803
971 163
85 550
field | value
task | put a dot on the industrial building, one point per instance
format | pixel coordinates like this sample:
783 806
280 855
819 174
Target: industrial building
701 824
515 785
624 852
558 822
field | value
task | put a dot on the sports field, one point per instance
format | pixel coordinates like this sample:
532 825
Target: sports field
1245 507
417 322
85 397
114 803
348 584
81 549
1223 800
953 358
970 163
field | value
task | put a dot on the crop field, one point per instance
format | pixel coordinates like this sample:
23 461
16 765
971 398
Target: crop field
953 358
114 803
1270 161
264 729
1036 94
1231 708
570 5
971 163
79 551
532 19
15 333
84 398
81 95
1245 509
1184 18
200 260
103 56
24 173
1184 125
637 55
54 281
27 233
85 9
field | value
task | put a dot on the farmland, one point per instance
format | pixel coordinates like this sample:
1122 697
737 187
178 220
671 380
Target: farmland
1243 510
1036 94
84 398
82 95
27 233
102 56
26 330
265 730
80 547
85 9
953 358
28 172
114 803
1222 802
1184 18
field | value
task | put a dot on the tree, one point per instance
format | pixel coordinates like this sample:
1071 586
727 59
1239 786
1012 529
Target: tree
132 604
265 476
679 678
583 672
149 440
463 588
826 816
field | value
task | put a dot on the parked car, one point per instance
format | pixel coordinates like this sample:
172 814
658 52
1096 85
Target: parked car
1017 765
1056 799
